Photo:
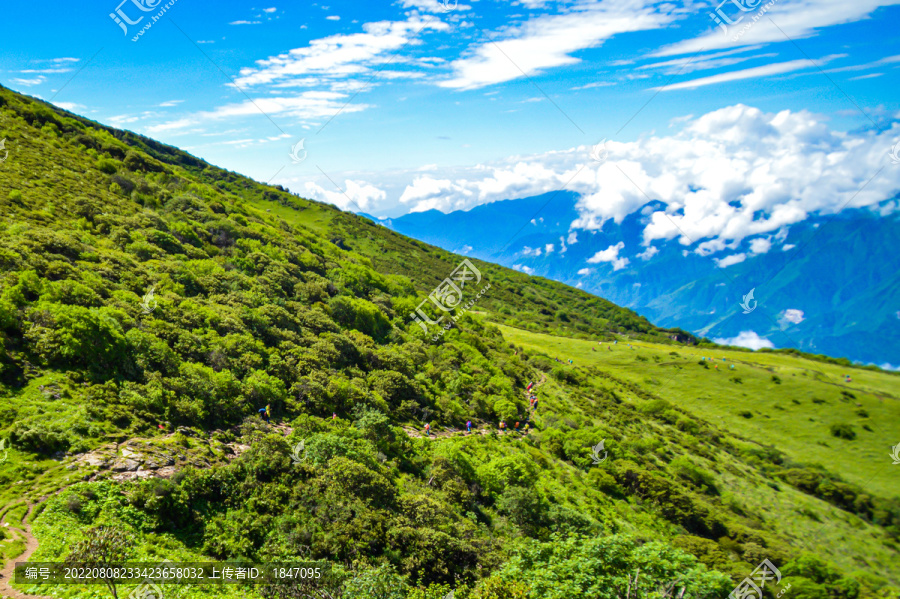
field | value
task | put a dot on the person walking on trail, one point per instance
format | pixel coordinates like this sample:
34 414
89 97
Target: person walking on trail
268 411
469 426
502 426
427 430
264 413
517 426
334 415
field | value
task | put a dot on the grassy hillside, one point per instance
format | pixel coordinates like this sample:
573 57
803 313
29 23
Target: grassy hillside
151 304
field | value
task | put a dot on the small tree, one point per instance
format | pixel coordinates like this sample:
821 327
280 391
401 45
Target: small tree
104 546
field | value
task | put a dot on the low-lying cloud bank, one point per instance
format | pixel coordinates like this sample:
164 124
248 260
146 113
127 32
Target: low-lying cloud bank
748 339
727 175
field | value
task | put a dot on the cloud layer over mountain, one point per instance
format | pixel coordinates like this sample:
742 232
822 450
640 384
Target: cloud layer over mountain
725 176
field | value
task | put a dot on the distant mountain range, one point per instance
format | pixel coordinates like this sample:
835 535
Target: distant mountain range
826 285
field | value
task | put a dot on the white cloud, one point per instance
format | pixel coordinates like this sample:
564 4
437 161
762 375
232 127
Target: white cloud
760 245
527 251
70 106
29 82
594 84
339 56
549 41
435 6
123 119
687 64
573 238
170 103
730 260
244 23
47 71
648 253
610 254
270 10
333 18
585 272
747 339
869 65
527 270
752 73
732 174
791 315
361 195
548 248
795 20
306 106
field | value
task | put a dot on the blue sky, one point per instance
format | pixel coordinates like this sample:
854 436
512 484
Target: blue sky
412 105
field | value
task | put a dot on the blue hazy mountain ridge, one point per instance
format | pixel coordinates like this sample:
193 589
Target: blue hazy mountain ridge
832 291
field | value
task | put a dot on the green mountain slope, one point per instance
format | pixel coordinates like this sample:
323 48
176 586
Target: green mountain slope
151 304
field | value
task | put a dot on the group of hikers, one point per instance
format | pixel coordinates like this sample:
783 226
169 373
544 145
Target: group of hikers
502 426
532 403
266 413
731 366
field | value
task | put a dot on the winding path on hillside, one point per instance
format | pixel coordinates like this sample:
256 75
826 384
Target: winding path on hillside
31 545
417 433
24 534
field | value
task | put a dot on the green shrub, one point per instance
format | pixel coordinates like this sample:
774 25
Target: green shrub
107 166
843 431
500 587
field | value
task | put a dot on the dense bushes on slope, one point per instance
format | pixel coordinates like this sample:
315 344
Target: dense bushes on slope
157 292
